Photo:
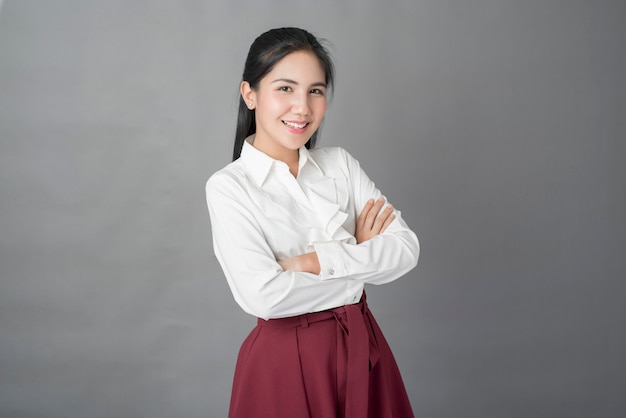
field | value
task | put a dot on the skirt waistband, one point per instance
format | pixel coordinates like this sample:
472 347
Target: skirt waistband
305 319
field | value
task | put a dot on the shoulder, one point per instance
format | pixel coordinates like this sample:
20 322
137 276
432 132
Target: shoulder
230 178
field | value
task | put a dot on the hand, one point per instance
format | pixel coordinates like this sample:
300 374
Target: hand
308 263
370 222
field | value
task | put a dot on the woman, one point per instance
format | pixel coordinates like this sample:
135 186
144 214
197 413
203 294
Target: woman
298 232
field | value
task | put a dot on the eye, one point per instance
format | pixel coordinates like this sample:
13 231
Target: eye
318 92
284 88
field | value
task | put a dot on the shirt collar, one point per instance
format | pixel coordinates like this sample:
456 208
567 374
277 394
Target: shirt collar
258 165
306 157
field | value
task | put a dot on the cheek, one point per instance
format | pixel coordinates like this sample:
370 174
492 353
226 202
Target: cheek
269 104
320 108
277 105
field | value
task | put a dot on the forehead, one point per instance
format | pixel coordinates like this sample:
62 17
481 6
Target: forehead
300 66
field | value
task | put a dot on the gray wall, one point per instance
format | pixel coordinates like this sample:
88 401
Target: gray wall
496 126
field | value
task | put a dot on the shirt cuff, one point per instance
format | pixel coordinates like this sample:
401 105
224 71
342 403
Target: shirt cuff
330 255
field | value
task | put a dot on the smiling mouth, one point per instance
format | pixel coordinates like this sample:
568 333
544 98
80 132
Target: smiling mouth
295 125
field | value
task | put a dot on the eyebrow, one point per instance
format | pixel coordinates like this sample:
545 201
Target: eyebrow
287 80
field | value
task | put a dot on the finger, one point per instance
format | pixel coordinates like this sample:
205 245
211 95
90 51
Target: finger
388 222
373 213
382 218
366 210
379 204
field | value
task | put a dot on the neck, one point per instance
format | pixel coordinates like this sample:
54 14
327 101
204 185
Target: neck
292 160
288 156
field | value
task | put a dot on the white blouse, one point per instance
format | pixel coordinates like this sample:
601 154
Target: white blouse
261 213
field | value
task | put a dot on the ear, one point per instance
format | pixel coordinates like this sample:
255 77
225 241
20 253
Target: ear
248 95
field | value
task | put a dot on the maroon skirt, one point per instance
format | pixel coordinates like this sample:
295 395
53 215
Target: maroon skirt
328 364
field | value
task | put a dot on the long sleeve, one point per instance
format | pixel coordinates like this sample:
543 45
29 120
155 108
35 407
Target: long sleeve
257 281
379 260
260 214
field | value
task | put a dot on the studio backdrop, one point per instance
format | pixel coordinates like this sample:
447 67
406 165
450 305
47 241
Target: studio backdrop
496 127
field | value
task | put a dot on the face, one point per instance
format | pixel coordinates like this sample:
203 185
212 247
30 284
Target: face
289 104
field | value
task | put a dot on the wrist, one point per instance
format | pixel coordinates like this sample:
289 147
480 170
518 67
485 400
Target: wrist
312 263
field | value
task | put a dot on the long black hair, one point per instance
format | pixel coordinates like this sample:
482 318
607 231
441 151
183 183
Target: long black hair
265 52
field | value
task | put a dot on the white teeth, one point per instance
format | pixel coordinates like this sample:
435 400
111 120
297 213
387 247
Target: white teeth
295 125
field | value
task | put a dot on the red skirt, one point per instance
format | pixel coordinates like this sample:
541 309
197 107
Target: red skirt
328 364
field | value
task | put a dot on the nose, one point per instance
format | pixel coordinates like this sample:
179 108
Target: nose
300 105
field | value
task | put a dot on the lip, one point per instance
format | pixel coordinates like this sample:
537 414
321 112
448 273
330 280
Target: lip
288 124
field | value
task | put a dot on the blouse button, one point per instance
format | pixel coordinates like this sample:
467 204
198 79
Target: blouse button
331 271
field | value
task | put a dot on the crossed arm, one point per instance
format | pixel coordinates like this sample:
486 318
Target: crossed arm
370 223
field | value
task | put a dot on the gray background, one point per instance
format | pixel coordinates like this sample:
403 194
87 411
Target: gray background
496 126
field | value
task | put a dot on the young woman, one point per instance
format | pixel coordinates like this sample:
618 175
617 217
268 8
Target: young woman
298 232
